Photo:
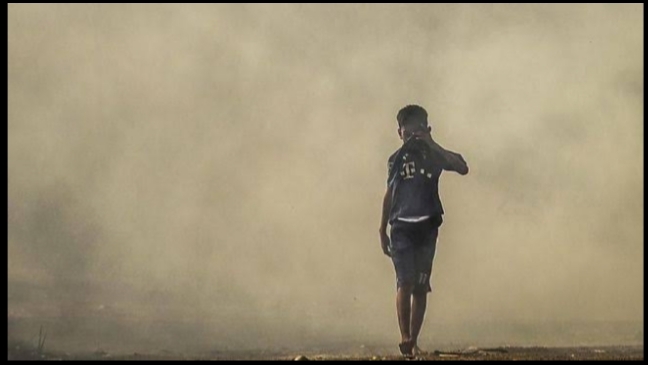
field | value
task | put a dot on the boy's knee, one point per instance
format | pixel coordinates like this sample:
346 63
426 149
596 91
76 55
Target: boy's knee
406 287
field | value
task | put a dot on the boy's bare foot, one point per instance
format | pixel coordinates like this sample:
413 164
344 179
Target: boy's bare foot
417 351
405 348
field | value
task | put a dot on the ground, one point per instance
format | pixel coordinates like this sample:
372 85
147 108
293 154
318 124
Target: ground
471 353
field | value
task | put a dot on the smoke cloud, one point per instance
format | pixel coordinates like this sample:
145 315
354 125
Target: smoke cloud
211 175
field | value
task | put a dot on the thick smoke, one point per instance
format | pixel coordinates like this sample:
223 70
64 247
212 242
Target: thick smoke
211 176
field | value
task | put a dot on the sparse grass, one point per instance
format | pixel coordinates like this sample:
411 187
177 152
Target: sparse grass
41 340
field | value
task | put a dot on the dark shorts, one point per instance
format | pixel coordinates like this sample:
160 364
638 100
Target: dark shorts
413 246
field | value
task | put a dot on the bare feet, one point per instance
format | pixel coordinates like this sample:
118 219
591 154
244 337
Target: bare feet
405 348
417 351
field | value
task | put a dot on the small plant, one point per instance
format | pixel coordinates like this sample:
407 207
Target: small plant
41 340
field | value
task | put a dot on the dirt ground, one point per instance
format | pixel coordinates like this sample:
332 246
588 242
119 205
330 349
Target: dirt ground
471 353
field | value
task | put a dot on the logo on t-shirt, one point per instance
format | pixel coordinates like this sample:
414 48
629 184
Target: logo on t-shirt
409 168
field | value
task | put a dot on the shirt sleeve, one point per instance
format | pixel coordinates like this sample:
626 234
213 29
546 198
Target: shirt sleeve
390 165
401 164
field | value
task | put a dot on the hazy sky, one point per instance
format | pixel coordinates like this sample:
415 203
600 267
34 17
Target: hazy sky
227 162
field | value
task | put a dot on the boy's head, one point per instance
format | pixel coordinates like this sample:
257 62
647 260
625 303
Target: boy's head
412 119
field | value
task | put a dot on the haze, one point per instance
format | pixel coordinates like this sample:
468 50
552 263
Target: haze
211 175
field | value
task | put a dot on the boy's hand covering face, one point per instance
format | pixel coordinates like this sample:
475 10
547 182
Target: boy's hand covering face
423 134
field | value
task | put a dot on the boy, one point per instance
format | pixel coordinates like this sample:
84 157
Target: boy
413 209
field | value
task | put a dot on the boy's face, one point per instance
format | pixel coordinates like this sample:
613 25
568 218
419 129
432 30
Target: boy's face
406 131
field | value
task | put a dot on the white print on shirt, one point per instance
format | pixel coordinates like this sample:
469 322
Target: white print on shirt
409 168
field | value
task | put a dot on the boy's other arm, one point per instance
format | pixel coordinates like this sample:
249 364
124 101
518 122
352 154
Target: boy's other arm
386 207
454 161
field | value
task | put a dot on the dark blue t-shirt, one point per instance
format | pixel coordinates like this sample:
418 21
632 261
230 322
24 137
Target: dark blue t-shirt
413 178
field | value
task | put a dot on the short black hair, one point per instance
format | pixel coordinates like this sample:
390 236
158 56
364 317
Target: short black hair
412 114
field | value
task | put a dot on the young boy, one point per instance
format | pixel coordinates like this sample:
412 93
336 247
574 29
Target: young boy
413 209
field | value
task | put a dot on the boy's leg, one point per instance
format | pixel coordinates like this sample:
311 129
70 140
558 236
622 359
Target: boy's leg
403 308
403 257
424 259
419 303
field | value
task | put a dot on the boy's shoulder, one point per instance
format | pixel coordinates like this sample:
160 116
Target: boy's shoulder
393 156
